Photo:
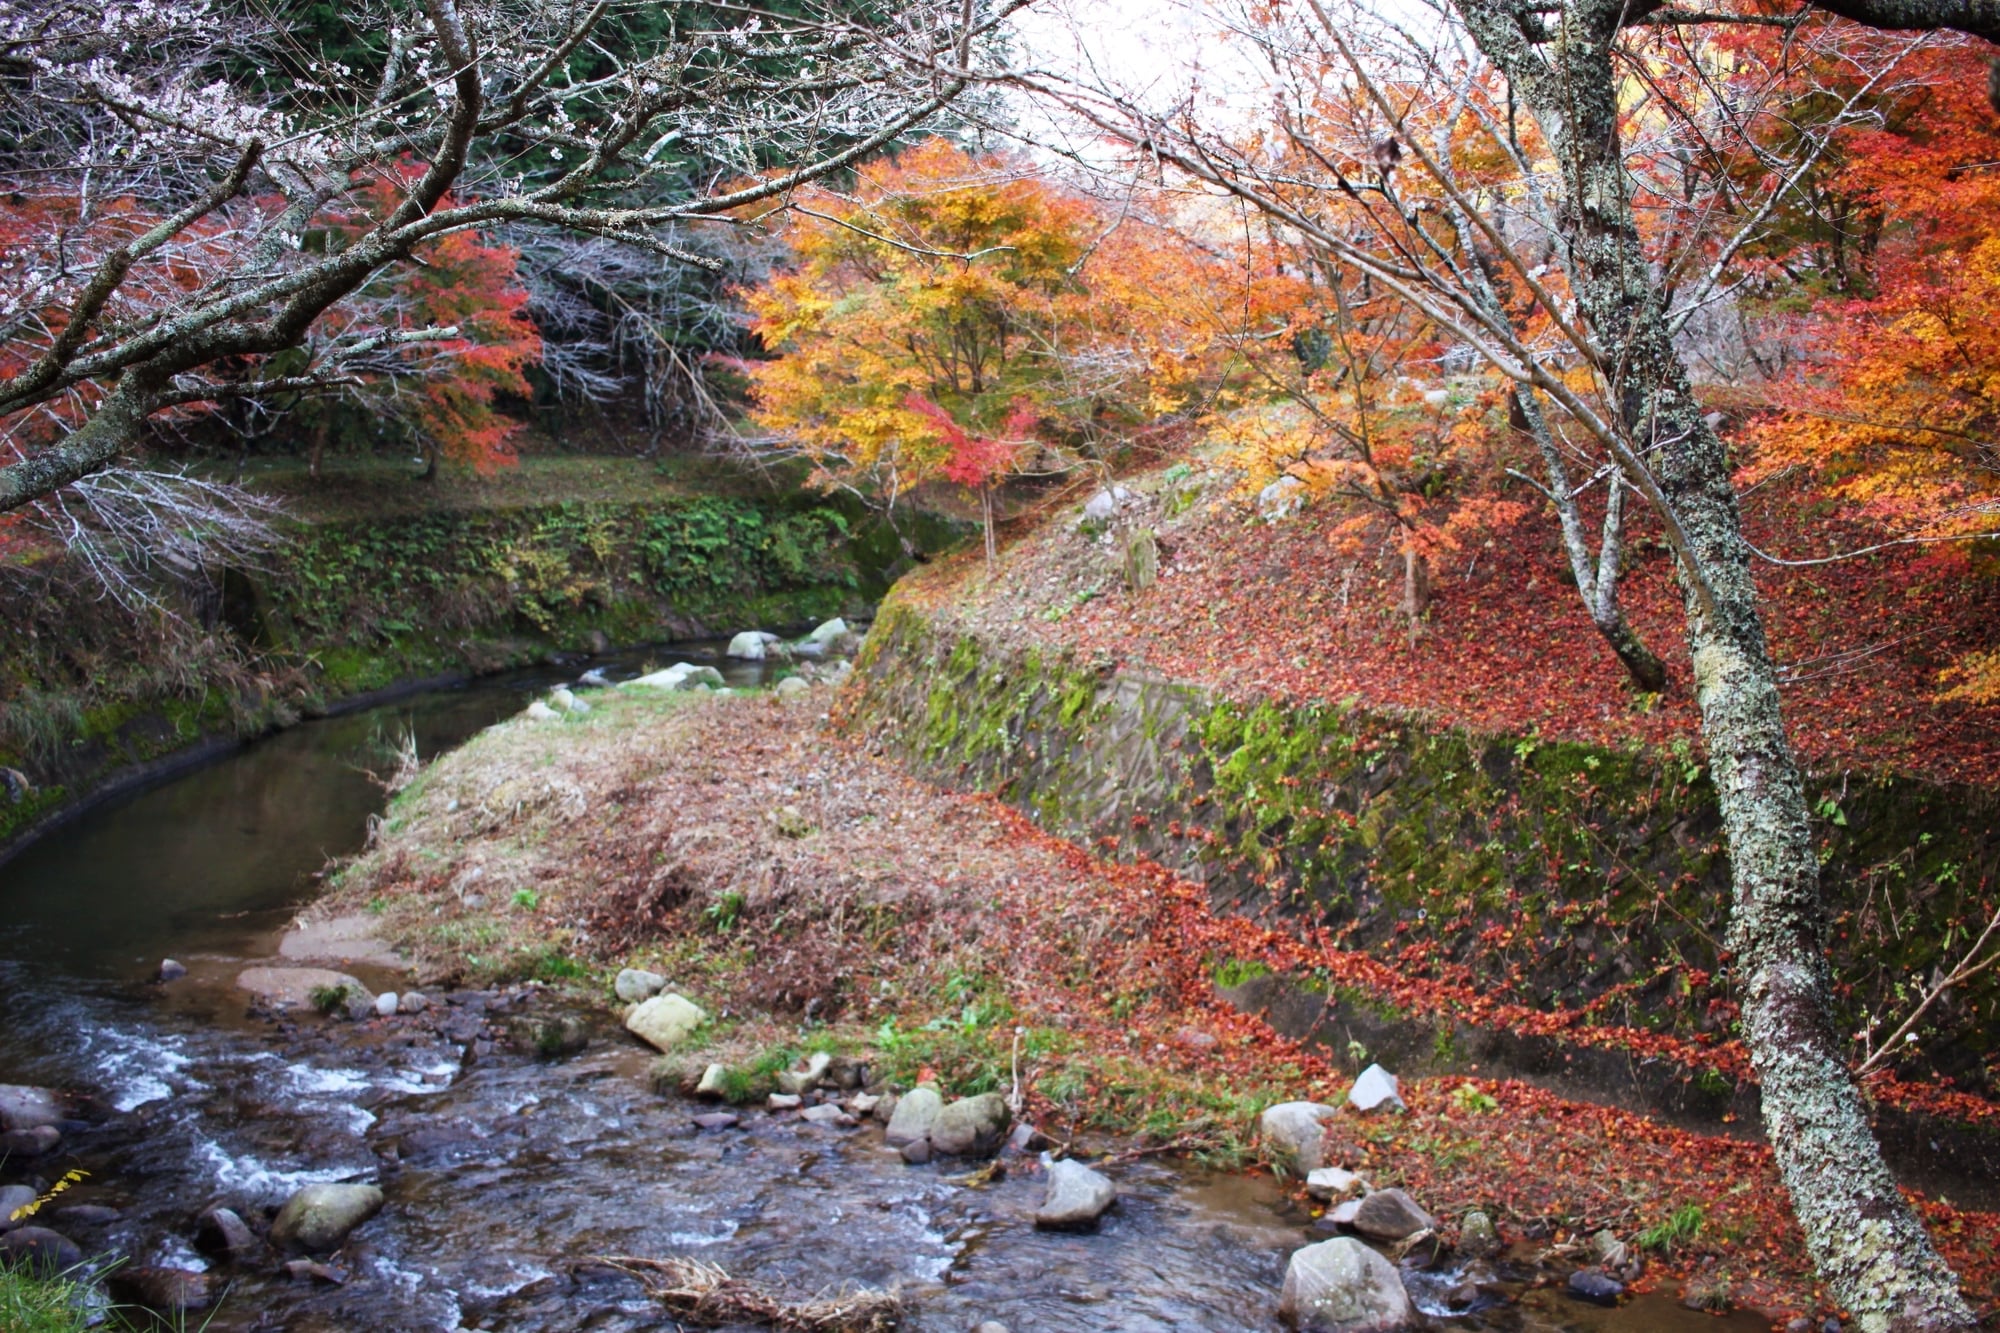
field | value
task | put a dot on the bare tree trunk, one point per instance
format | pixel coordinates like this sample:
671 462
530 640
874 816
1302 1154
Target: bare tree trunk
1867 1242
1416 589
318 443
986 518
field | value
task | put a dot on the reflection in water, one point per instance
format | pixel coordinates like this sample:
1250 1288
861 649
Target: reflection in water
503 1174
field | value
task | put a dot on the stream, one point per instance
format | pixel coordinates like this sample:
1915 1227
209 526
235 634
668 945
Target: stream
505 1174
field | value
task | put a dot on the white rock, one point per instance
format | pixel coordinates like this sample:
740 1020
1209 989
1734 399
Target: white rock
1342 1286
1293 1135
826 1113
752 645
1332 1182
386 1003
791 686
714 1081
1076 1198
1437 398
805 1076
825 634
541 712
593 679
1376 1087
679 676
1281 500
636 985
665 1020
1106 503
561 699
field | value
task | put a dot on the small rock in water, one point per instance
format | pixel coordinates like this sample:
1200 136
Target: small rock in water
1375 1088
863 1104
221 1231
916 1152
1332 1182
319 1217
783 1101
636 985
828 1114
1294 1136
1477 1235
665 1020
1391 1215
386 1004
36 1142
971 1126
1076 1198
916 1111
714 1120
39 1251
413 1002
594 679
1342 1286
171 970
165 1289
1595 1286
305 1270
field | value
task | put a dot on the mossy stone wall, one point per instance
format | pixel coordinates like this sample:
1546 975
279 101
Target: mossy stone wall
1564 877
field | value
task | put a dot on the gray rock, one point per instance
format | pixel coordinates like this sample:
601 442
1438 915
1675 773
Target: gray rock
305 1270
1282 499
1294 1136
971 1126
826 1113
13 1198
1391 1215
845 1073
87 1215
916 1152
171 970
319 1217
862 1104
1376 1087
714 1082
680 676
1076 1198
552 1036
305 987
635 985
221 1231
1342 1286
165 1289
386 1004
1594 1285
1102 506
783 1101
1610 1251
413 1002
806 1075
23 1107
537 711
916 1112
1342 1214
885 1108
1333 1182
36 1142
792 686
989 1326
1477 1236
715 1120
39 1250
665 1020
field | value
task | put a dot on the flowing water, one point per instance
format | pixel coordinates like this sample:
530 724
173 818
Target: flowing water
508 1176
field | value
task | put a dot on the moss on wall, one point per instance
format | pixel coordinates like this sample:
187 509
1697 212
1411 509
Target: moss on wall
1554 875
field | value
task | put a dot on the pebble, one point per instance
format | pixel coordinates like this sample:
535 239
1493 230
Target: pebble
718 1120
385 1004
171 970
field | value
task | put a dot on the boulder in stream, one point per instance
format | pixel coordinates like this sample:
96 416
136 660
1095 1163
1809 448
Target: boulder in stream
222 1231
752 645
39 1251
169 1290
1076 1198
171 970
307 988
916 1111
23 1107
1391 1215
679 676
665 1021
37 1142
1294 1136
971 1126
1342 1286
318 1217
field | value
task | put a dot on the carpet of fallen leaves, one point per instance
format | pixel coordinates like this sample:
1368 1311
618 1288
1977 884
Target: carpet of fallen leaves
1275 610
775 868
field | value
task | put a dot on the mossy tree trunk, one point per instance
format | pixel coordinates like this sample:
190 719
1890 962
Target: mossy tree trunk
1866 1240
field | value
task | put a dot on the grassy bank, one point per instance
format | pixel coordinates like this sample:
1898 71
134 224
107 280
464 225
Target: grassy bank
382 579
811 895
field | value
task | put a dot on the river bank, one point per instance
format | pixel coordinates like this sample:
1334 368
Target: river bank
384 584
809 895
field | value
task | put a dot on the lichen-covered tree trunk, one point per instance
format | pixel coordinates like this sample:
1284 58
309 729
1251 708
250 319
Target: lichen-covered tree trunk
1865 1239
